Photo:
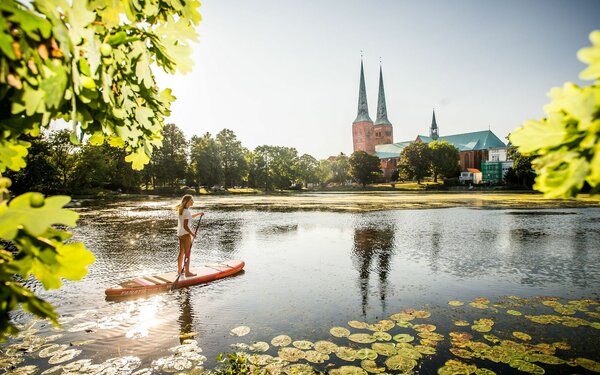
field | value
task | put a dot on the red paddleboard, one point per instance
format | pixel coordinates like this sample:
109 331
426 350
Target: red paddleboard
160 283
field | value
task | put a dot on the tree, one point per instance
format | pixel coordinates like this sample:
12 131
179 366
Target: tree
205 162
91 169
340 169
324 172
88 63
566 144
444 159
231 154
364 168
307 167
522 172
62 157
168 165
415 161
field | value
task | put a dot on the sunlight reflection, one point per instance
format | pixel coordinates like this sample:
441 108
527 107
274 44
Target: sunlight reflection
144 320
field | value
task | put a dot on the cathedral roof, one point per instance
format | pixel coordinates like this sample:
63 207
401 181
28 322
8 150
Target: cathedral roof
363 108
473 141
381 107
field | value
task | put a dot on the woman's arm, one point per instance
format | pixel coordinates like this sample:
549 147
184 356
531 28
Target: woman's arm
198 214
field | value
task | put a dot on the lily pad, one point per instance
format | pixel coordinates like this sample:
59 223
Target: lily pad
404 337
64 356
382 336
339 332
455 303
325 347
298 369
481 328
260 346
476 305
77 366
588 364
492 338
358 325
525 366
484 371
404 316
346 353
424 327
452 367
25 370
371 366
366 353
260 359
348 370
408 351
51 349
385 349
425 349
547 359
521 336
431 336
303 344
404 324
461 323
462 353
122 365
400 363
362 338
421 314
315 356
384 325
240 331
290 354
561 345
281 340
484 322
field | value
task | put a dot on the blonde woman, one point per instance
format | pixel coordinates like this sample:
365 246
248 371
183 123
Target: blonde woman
185 234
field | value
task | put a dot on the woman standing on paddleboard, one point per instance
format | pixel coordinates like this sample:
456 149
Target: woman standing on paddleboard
185 234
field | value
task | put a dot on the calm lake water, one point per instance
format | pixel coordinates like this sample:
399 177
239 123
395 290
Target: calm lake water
309 271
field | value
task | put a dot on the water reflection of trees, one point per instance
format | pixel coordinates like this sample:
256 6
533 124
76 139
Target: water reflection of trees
186 314
372 251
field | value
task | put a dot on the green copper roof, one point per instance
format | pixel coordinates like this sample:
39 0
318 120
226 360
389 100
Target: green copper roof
391 150
434 131
381 108
363 108
482 140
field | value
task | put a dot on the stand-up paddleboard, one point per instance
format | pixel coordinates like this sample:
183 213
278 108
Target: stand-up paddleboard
164 281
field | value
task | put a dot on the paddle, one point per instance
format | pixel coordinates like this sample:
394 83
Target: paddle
185 258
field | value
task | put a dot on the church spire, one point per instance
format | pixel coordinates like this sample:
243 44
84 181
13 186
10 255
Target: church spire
381 108
363 108
433 131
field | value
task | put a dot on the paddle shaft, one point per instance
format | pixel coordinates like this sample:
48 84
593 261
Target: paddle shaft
186 259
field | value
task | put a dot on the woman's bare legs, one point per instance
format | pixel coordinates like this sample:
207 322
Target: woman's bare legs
185 243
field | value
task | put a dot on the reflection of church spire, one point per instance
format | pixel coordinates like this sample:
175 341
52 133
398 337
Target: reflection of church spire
381 107
363 108
433 131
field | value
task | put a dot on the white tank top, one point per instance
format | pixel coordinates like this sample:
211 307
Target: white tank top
186 214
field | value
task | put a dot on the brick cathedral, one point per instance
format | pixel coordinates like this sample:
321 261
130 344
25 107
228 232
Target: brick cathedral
377 138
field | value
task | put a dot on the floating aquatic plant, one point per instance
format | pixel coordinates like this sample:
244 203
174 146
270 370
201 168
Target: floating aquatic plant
455 303
325 347
339 332
240 331
362 338
303 344
281 340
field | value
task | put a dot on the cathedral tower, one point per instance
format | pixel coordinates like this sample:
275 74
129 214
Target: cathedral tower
433 131
362 127
384 131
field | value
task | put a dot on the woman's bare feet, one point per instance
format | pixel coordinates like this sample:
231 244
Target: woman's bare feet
189 274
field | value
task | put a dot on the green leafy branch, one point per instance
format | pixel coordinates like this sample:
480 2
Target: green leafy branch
567 141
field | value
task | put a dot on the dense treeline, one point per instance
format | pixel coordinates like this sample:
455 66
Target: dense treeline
55 165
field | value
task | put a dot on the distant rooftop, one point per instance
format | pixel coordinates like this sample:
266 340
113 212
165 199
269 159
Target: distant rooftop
474 141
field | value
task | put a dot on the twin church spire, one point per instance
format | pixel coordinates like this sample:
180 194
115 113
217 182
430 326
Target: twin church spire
363 107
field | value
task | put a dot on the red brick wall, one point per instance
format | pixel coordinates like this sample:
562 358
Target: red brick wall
472 159
363 136
384 134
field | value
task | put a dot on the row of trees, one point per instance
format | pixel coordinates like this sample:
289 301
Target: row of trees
55 165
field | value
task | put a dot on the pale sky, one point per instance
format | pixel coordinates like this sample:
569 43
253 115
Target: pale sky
286 73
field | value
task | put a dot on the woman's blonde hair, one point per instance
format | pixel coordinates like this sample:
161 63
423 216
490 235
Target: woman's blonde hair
186 198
